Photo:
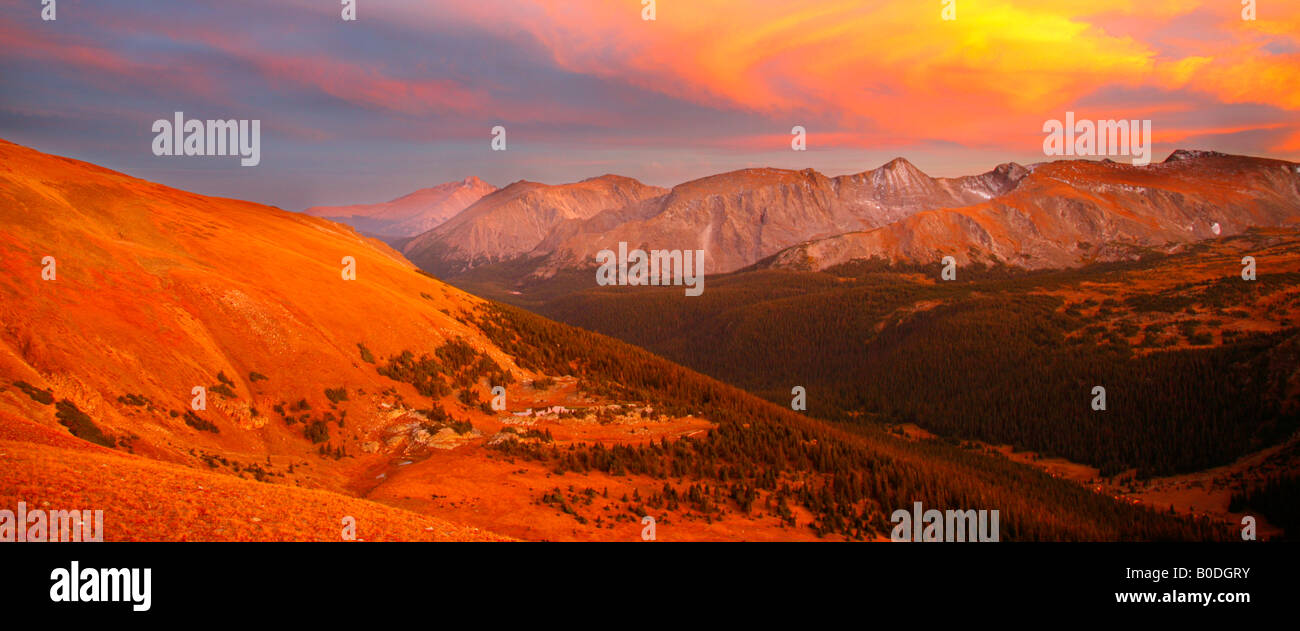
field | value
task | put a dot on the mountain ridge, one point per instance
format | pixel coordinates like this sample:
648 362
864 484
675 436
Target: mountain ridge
1067 213
802 219
737 217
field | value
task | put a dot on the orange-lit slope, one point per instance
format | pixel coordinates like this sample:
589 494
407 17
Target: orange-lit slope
220 285
159 291
145 500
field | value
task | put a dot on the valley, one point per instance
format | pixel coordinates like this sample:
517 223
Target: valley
1199 365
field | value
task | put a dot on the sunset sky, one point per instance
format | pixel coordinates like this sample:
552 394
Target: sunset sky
406 96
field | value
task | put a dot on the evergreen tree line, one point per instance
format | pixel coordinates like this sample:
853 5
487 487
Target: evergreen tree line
988 357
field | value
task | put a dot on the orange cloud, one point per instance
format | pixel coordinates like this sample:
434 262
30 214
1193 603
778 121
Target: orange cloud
897 68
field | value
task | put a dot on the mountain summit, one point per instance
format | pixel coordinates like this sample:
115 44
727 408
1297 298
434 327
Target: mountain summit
411 214
511 222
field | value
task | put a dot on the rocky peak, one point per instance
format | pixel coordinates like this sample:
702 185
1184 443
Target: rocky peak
1192 154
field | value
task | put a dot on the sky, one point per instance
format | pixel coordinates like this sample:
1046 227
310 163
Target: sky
406 96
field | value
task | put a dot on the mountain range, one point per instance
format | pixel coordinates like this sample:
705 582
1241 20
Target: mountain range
1065 214
1048 215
